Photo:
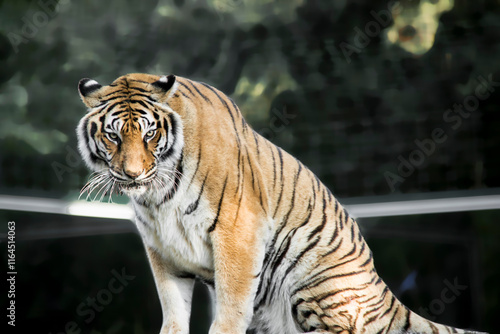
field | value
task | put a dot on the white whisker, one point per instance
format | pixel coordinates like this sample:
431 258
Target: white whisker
103 187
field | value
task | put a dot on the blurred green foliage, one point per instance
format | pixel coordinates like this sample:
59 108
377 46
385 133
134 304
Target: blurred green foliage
355 105
356 111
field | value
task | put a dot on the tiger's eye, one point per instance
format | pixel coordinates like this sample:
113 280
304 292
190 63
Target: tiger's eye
150 133
113 136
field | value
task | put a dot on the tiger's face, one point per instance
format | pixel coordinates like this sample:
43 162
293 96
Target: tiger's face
130 137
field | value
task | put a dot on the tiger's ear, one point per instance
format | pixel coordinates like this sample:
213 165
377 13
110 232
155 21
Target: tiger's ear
90 92
162 89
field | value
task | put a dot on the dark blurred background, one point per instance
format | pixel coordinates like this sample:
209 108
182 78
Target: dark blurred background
388 102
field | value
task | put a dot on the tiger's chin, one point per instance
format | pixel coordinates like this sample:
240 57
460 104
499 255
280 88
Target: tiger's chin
133 189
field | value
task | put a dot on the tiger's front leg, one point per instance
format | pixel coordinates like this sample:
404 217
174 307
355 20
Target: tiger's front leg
238 257
175 295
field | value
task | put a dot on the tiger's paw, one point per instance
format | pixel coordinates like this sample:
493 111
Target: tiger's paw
173 328
225 329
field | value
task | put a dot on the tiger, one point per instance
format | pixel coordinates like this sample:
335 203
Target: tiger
217 202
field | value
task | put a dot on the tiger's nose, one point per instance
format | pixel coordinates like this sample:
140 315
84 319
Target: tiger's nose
132 174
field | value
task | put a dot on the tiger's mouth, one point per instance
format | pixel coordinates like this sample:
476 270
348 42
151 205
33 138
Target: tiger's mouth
135 186
126 185
158 181
132 185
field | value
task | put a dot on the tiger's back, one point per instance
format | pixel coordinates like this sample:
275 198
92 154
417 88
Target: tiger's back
279 251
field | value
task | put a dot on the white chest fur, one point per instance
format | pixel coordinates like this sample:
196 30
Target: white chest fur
179 235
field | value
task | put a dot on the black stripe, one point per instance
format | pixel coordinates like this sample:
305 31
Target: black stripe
369 260
142 221
320 227
173 126
407 323
251 170
145 103
118 113
353 250
177 177
292 203
234 105
142 202
393 300
282 182
243 125
340 264
111 107
298 257
115 92
93 129
392 320
274 167
94 158
370 320
102 120
315 191
198 161
185 86
222 100
201 94
309 214
140 89
185 275
135 80
116 97
333 250
296 305
377 305
331 293
212 227
281 255
276 264
256 143
352 231
240 169
341 219
193 206
142 95
114 121
139 111
240 199
179 91
334 235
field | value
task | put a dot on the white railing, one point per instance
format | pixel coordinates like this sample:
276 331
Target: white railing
111 211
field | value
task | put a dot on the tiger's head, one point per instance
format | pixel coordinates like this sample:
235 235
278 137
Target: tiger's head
131 138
